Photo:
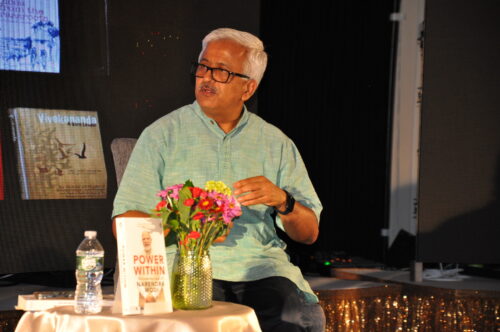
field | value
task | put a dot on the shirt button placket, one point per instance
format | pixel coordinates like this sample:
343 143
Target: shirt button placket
226 157
220 159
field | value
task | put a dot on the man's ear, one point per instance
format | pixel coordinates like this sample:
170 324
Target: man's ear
250 88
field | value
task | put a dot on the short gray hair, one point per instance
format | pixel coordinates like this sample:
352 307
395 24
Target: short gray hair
256 60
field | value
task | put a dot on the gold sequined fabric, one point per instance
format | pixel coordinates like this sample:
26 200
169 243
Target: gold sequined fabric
396 307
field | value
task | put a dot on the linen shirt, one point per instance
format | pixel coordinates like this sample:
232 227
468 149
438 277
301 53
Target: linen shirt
186 144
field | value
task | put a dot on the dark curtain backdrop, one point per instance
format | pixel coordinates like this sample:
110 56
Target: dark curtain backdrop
327 88
128 60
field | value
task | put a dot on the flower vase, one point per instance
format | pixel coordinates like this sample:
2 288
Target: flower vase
191 280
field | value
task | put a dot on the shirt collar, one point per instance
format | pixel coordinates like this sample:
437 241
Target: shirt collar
212 124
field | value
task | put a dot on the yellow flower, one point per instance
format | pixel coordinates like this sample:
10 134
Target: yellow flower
218 186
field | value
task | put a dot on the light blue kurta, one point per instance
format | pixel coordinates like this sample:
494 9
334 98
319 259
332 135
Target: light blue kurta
186 144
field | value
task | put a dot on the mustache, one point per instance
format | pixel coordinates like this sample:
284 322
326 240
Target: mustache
207 86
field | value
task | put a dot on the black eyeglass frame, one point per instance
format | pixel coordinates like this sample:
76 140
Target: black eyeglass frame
195 66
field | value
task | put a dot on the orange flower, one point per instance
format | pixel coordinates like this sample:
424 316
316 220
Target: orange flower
194 235
189 202
160 205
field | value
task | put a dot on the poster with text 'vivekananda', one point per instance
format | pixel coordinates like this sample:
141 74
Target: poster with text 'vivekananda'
59 154
29 35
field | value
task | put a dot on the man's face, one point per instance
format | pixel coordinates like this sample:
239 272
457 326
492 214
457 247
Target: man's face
146 241
218 98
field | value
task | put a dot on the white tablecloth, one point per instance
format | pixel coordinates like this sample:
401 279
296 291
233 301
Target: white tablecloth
221 317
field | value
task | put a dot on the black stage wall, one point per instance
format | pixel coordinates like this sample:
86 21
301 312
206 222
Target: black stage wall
459 194
327 87
129 61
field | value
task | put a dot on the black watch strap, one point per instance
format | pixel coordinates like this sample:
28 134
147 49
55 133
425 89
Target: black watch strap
290 203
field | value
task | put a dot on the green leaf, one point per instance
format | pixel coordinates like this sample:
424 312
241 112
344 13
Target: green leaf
196 225
219 233
184 211
188 183
172 221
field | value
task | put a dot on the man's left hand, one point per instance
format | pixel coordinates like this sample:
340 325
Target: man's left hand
259 190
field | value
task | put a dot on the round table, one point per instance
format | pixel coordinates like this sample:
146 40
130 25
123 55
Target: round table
221 317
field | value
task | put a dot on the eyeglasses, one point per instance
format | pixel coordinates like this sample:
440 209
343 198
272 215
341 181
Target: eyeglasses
218 74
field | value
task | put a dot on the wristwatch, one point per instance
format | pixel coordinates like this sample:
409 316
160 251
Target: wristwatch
290 203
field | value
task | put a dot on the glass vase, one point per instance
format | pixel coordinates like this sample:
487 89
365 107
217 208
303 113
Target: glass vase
191 282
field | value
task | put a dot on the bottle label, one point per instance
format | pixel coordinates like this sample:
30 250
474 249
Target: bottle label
89 263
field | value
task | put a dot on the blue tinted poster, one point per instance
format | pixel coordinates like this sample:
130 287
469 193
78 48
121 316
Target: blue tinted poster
29 35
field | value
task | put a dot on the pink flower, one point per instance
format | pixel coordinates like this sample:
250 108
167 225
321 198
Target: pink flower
174 190
217 197
210 218
227 218
162 193
232 209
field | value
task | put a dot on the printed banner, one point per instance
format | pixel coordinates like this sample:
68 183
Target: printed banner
59 154
29 35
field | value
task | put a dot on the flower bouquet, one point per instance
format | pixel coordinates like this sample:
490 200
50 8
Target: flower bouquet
198 217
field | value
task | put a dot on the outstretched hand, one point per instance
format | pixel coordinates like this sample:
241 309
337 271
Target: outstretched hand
301 224
259 190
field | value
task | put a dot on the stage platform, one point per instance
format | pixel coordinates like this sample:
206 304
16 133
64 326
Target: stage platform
365 300
356 299
403 277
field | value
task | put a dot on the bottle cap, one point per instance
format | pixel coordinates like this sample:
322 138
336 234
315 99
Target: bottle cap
90 234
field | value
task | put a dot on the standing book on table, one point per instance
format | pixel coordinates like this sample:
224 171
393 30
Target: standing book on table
59 154
144 285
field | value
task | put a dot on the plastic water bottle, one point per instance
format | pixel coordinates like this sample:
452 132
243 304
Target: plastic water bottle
89 269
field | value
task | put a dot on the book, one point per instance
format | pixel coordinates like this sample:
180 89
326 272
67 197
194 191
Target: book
48 300
59 154
144 285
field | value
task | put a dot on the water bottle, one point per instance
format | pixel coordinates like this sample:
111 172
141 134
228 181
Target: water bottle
89 269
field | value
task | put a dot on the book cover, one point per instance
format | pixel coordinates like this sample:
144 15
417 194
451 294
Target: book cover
144 285
59 154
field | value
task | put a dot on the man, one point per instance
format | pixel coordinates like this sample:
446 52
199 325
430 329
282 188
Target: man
149 290
216 138
146 242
